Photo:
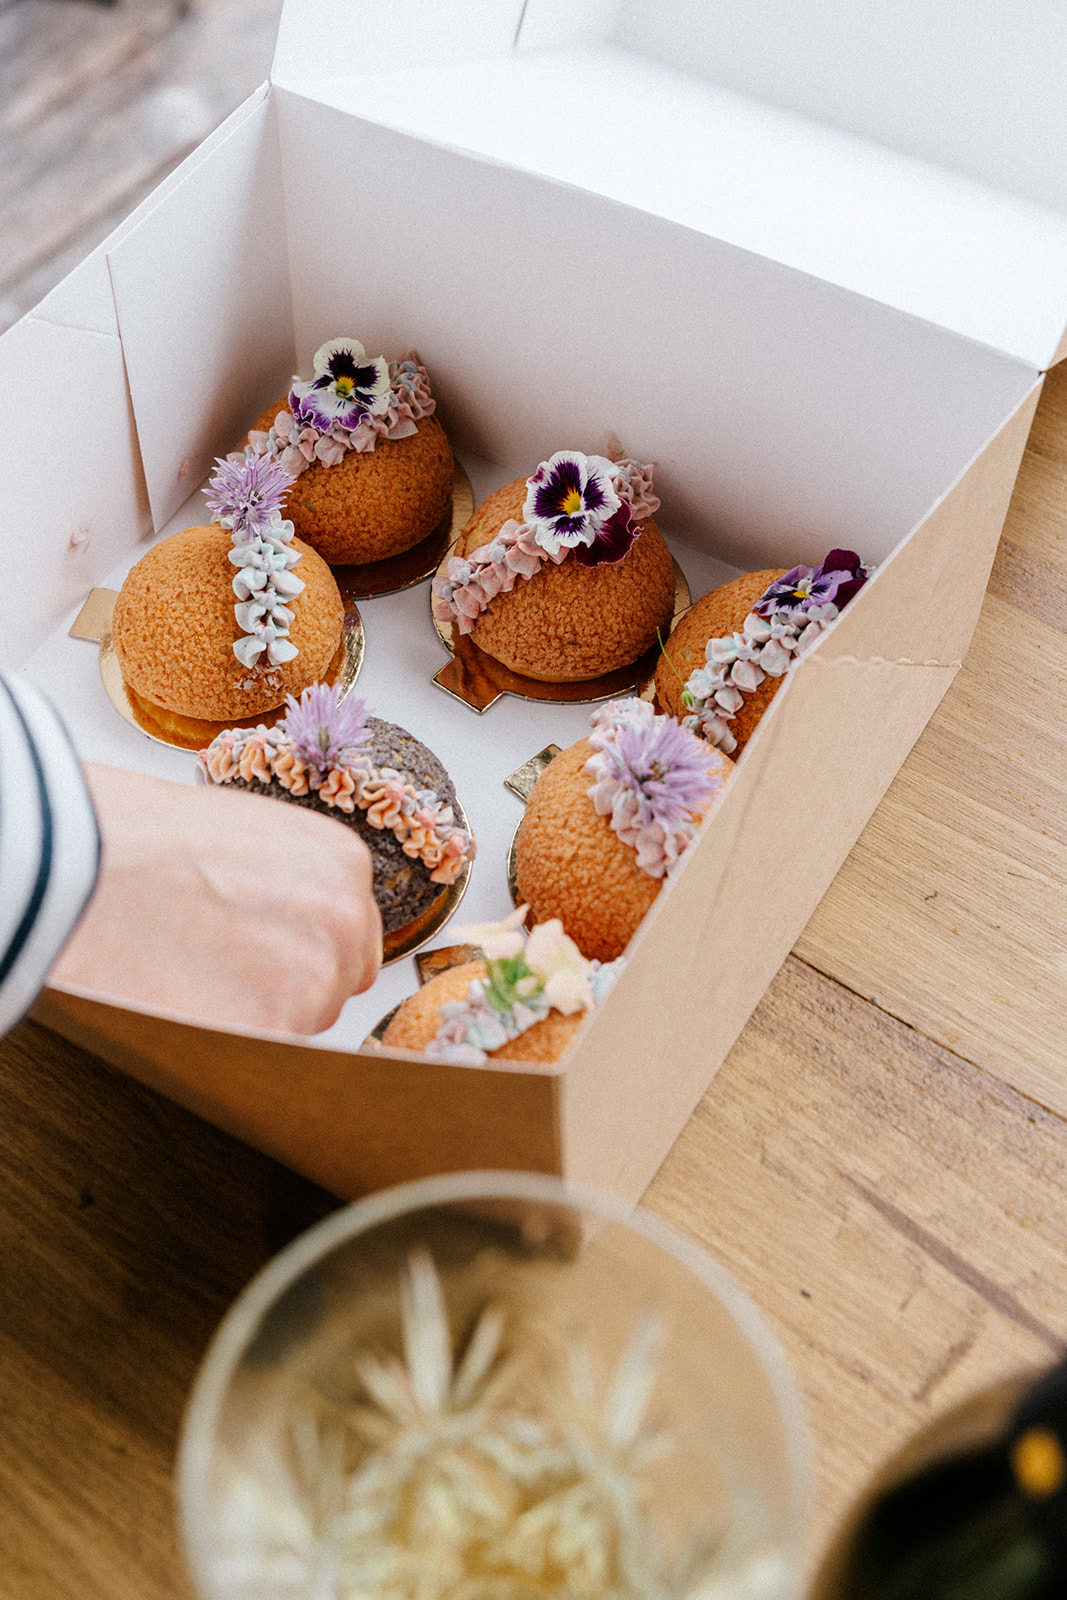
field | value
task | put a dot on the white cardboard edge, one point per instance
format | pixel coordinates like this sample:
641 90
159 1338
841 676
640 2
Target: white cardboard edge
390 34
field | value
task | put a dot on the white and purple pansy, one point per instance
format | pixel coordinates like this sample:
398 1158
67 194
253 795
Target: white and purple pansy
840 576
572 504
348 388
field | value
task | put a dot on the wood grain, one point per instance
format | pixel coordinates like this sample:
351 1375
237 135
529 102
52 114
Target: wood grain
97 104
895 1211
126 1228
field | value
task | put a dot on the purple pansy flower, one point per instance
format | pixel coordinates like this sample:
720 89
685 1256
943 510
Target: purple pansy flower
665 767
324 729
247 494
571 501
840 576
611 542
348 387
852 574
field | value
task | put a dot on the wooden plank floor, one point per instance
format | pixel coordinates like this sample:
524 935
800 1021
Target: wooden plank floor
97 104
882 1161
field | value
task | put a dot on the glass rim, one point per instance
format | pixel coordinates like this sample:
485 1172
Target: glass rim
241 1321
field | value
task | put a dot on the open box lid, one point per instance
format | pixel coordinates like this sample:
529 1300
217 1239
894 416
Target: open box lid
556 233
911 153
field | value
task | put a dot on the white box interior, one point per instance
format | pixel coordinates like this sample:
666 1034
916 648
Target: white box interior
911 152
583 237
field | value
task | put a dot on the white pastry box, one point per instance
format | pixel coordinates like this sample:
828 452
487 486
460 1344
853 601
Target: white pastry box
811 260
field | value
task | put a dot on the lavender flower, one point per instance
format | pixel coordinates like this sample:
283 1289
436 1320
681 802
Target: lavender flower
324 729
840 576
571 501
665 768
247 495
347 388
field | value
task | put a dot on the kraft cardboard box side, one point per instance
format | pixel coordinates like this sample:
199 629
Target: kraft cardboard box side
830 746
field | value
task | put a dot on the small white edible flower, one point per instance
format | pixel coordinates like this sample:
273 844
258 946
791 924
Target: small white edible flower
556 959
498 941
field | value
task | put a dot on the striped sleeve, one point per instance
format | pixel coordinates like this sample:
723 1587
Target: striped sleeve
49 844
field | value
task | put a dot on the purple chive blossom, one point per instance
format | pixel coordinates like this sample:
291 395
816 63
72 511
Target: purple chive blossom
665 767
569 500
247 495
324 730
347 387
839 577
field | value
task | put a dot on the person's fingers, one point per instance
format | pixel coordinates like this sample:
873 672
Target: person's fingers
227 907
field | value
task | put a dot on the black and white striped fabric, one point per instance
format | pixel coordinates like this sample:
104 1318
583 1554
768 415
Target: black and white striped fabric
49 844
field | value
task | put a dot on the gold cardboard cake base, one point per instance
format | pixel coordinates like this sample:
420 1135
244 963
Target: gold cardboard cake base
479 680
93 622
521 782
512 865
373 579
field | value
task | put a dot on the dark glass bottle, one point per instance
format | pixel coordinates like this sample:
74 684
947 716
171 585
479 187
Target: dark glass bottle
974 1509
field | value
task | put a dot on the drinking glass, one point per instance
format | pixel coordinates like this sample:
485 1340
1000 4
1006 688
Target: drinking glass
493 1386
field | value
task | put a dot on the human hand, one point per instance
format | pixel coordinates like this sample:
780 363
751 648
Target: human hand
228 907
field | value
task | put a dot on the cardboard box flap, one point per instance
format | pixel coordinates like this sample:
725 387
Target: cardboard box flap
72 508
626 101
842 381
978 88
89 505
728 918
774 403
198 283
331 36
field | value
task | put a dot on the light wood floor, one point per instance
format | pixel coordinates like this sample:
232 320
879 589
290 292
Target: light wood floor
882 1161
97 104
